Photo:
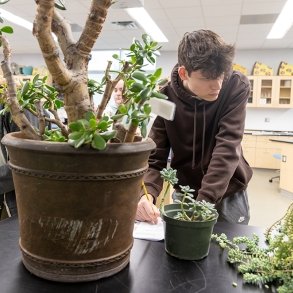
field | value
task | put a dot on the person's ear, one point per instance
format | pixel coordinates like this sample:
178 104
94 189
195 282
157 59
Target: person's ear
183 74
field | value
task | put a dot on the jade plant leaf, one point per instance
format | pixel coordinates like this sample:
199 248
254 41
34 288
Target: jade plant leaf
98 142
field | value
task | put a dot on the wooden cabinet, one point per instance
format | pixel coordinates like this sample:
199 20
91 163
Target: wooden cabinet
271 92
264 153
284 92
259 151
286 171
248 146
263 90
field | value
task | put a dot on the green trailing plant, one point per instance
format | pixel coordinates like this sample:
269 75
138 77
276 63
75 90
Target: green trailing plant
190 209
270 265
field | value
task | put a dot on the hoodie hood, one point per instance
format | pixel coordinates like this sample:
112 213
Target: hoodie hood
184 95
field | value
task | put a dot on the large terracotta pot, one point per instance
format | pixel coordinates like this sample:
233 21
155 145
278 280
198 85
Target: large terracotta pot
76 206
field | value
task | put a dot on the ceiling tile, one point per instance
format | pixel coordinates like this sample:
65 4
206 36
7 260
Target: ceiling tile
172 16
262 7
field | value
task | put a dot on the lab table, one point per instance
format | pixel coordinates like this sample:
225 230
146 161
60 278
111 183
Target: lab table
151 269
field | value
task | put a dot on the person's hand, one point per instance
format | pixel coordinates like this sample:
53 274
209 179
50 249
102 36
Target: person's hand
147 211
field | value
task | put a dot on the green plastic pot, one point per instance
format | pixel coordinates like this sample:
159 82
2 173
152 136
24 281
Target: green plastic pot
186 240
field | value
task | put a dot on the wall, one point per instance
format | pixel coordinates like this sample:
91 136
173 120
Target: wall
269 119
280 119
271 58
28 59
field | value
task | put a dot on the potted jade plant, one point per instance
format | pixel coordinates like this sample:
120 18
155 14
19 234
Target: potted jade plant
77 185
188 223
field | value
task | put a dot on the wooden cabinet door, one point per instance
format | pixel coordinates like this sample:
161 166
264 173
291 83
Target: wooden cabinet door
264 158
286 171
284 92
248 147
264 153
266 91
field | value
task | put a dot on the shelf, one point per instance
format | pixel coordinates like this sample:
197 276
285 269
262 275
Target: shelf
271 92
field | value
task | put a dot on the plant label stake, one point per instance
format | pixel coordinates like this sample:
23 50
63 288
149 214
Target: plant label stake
162 108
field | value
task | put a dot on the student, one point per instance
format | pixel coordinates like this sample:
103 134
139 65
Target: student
116 99
7 194
205 136
8 205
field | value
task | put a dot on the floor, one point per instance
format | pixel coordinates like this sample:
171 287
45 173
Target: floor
267 203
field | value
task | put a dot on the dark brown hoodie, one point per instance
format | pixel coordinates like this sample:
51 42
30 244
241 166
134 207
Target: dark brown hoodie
205 138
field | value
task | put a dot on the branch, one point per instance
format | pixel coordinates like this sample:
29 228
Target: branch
42 31
130 134
40 116
16 112
107 92
93 26
61 28
110 85
58 122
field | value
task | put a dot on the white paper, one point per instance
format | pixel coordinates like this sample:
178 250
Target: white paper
147 231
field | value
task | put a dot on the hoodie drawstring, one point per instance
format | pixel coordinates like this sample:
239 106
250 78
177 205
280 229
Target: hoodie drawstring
203 137
194 137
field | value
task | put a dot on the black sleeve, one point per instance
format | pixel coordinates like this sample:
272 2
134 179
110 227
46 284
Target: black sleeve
6 181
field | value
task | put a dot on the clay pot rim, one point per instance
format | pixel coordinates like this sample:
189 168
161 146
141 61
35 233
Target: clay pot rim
17 140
